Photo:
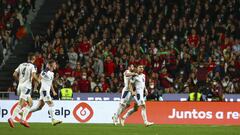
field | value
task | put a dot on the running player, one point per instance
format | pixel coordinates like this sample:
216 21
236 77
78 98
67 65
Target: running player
46 78
126 93
139 83
25 73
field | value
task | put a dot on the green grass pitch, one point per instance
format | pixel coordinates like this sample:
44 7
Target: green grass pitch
109 129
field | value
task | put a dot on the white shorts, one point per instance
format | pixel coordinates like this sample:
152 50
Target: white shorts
24 92
139 97
45 95
126 97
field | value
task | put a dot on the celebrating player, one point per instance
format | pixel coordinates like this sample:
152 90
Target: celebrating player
126 93
24 73
139 83
46 78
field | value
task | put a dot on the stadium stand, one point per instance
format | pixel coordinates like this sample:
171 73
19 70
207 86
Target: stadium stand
184 45
24 42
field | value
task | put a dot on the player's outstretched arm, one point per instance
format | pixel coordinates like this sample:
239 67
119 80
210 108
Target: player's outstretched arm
53 91
16 75
37 79
130 74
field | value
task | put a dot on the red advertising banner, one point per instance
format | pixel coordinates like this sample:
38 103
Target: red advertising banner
217 113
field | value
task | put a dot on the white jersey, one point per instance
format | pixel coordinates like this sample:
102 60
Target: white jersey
126 80
25 71
139 82
47 79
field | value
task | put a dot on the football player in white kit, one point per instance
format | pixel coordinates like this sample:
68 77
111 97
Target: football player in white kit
46 77
139 83
127 93
25 73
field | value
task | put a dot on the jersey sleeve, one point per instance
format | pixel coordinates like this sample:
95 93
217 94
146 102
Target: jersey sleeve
34 69
18 69
126 72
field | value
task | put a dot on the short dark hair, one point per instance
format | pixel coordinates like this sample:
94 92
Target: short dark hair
138 65
50 62
31 56
130 65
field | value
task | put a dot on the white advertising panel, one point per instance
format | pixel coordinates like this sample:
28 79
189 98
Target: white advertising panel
66 111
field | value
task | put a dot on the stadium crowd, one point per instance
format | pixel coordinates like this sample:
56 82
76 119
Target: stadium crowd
13 16
184 45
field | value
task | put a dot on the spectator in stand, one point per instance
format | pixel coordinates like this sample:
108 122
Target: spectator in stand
153 92
37 44
192 82
97 89
104 85
76 73
39 62
179 84
166 81
98 66
109 35
84 84
201 75
67 71
84 46
217 91
62 59
73 57
227 85
115 86
109 66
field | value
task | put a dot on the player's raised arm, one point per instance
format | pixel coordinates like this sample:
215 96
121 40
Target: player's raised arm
53 91
130 74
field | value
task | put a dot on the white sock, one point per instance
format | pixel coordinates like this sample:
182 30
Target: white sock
144 115
16 112
34 109
129 112
51 113
25 113
119 110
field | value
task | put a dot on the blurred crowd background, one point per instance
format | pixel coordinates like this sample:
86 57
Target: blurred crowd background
184 45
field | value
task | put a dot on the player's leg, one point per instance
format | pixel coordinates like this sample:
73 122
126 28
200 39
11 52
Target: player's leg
41 102
144 115
129 112
134 109
16 112
51 112
142 104
26 111
126 95
38 107
27 108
